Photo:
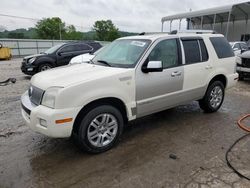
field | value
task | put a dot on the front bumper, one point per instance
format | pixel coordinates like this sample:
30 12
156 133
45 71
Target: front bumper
28 68
243 71
43 119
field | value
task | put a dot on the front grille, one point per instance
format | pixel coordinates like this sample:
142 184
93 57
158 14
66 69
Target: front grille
245 63
35 95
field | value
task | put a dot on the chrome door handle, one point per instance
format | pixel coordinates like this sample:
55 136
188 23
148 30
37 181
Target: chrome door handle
209 67
177 73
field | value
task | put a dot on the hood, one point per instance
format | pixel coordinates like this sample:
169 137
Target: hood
68 75
35 55
245 55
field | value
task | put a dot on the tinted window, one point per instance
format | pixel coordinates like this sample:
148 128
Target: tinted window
84 47
167 52
204 53
192 51
70 48
244 46
96 45
222 47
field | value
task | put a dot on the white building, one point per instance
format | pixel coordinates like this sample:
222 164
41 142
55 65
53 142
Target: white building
233 20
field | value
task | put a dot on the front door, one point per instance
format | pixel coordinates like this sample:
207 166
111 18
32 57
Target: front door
157 91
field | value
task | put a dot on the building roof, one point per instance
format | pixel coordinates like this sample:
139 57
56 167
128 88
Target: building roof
239 11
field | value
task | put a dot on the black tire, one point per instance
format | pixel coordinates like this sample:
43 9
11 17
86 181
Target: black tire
45 66
241 77
82 135
206 104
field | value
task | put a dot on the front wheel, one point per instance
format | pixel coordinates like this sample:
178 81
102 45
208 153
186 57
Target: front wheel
213 98
100 129
44 67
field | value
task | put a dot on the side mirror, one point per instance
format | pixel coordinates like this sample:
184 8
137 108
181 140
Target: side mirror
152 66
59 53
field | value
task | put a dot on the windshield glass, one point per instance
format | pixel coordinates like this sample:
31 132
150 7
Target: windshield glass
122 53
53 49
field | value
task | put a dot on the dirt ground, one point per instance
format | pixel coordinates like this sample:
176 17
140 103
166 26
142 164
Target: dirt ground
200 141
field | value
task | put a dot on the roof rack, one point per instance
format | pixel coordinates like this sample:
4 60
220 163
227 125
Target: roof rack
174 32
194 32
153 33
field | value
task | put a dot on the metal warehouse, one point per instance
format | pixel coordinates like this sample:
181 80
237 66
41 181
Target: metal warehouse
233 20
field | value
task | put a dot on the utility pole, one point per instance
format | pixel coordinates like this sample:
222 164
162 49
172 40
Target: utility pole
60 31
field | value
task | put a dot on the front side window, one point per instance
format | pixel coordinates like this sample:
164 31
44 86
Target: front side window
167 52
237 46
124 53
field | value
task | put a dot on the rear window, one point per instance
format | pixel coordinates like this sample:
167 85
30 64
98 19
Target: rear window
222 47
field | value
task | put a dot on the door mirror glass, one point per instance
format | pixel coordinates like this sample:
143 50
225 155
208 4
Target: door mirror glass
153 66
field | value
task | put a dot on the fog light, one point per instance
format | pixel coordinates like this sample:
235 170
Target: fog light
43 122
30 69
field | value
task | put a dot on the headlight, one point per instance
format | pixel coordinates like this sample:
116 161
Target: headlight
49 97
32 60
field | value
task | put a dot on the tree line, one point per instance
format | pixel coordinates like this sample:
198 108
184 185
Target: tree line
54 28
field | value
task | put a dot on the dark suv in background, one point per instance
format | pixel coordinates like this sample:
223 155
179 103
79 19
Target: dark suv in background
58 55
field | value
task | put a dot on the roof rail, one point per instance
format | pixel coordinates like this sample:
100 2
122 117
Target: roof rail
194 31
153 33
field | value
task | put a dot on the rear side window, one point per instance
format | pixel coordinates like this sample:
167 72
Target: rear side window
222 47
195 50
192 51
84 47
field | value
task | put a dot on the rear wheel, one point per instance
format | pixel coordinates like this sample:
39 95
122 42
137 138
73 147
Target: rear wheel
44 67
213 98
100 129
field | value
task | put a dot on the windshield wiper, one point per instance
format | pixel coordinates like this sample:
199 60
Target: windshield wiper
104 62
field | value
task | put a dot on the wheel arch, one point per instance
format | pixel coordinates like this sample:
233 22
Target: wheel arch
113 101
219 77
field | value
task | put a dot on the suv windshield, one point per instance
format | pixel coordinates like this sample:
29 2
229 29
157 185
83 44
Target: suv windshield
123 53
53 49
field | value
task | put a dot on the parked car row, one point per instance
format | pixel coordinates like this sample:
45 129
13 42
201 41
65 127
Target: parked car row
56 56
242 53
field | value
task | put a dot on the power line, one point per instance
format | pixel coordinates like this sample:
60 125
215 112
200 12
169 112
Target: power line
20 17
36 19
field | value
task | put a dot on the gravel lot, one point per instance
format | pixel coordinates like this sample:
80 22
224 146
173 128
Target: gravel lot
141 159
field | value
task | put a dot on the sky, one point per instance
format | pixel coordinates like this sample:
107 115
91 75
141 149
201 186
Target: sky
127 15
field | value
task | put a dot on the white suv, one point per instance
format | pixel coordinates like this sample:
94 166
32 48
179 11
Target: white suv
131 78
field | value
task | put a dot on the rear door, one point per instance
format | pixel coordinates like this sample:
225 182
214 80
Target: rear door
197 69
157 91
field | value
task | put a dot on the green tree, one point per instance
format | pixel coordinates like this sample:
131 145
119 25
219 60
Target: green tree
72 34
106 30
50 28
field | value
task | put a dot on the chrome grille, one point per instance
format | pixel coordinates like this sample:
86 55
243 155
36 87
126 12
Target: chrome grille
35 95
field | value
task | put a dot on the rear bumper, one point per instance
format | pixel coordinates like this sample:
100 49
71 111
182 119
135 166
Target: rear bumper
43 119
232 80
